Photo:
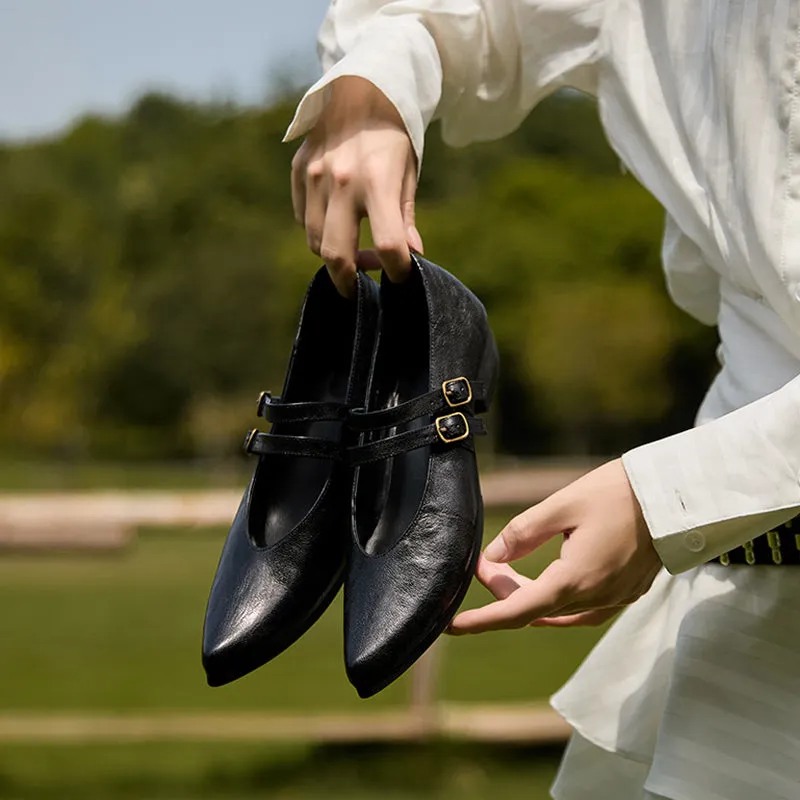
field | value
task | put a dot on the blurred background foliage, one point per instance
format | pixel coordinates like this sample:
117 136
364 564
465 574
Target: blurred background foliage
150 278
151 274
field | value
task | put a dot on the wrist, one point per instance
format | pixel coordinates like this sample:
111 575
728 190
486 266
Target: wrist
353 98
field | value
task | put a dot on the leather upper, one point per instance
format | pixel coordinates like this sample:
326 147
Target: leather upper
398 600
269 588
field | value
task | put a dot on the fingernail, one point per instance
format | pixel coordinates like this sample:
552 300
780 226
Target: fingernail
452 630
496 550
414 239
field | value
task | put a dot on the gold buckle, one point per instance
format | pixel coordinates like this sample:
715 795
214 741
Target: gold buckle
442 432
248 440
261 398
447 394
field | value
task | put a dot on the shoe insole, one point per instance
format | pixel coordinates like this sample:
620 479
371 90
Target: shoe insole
389 491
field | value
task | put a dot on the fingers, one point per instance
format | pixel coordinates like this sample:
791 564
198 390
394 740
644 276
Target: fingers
525 532
408 206
325 199
316 200
585 618
339 245
371 259
500 579
299 184
389 234
368 260
542 597
358 160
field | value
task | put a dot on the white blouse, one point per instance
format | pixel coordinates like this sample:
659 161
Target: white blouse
700 100
694 693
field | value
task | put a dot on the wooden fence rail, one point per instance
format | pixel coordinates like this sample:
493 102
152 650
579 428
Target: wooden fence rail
109 520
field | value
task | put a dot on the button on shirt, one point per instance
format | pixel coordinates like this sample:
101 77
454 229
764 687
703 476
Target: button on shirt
700 100
695 541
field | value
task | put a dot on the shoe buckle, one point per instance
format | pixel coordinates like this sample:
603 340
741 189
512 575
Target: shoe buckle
248 440
457 391
263 400
452 427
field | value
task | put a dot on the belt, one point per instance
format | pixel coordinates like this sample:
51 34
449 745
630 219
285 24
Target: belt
777 547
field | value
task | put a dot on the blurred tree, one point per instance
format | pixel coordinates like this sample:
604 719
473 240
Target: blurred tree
151 273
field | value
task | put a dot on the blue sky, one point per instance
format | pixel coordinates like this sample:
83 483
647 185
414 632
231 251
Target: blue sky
61 58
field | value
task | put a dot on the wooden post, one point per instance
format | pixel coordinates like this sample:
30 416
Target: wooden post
424 684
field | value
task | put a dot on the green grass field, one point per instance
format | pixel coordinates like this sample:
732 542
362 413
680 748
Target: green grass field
121 633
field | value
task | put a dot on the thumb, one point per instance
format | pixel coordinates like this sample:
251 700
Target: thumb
407 205
527 531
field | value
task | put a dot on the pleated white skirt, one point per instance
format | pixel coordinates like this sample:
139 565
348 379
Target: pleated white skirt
693 694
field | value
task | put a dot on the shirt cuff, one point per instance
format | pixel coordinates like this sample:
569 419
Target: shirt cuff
710 489
399 57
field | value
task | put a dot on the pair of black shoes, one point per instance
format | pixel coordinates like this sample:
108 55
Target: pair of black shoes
368 477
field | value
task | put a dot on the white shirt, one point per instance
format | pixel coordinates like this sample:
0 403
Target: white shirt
693 694
700 100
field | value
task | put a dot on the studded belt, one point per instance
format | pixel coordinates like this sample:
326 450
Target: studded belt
776 547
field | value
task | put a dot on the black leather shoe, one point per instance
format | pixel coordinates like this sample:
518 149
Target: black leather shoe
283 561
417 506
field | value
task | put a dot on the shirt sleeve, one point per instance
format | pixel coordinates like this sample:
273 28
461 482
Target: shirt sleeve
478 65
710 489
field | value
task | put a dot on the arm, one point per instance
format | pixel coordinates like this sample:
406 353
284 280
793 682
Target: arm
394 65
710 489
697 494
479 65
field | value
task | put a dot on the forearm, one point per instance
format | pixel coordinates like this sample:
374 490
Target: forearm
398 56
479 65
712 488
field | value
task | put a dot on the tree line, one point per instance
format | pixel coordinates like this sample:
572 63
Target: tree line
151 274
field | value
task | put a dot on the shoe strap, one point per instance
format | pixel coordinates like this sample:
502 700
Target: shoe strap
258 443
450 429
273 409
455 393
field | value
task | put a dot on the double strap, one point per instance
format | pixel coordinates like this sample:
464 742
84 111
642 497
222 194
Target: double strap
258 443
449 429
454 393
273 409
455 403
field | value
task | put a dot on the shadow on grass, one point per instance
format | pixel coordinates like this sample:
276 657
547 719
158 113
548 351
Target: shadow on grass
432 770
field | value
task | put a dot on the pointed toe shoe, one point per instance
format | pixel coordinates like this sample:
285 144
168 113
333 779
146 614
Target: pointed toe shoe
284 558
417 511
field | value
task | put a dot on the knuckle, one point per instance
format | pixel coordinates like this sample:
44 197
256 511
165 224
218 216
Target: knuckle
389 245
375 173
513 533
341 176
315 169
378 161
333 258
313 241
